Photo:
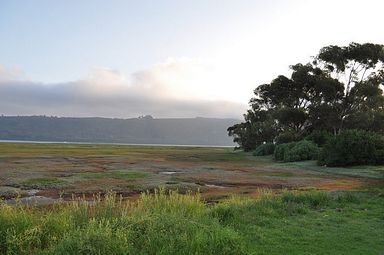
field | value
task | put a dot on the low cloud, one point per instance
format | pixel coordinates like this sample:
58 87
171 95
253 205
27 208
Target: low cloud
175 88
7 74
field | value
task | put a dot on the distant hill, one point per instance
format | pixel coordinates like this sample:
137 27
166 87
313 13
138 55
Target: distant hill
145 130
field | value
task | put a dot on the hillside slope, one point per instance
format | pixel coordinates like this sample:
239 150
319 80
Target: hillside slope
188 131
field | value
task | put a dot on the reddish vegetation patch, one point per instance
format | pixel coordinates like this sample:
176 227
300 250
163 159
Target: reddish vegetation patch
342 184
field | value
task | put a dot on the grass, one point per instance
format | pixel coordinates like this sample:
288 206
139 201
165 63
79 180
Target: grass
155 224
226 155
308 222
10 192
33 149
42 183
91 168
293 222
69 169
376 172
119 174
278 221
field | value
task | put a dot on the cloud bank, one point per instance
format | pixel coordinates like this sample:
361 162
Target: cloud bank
175 88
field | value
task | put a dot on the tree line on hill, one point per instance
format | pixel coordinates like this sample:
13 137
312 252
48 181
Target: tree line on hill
322 101
142 130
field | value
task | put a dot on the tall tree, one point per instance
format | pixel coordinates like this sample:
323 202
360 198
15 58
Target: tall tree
339 89
360 67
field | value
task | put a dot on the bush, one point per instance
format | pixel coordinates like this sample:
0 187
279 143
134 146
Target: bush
264 149
353 147
296 151
287 137
319 137
303 150
281 149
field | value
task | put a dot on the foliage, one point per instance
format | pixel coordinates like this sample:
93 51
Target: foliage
296 151
282 149
286 137
170 223
264 149
319 137
353 147
257 129
303 150
339 90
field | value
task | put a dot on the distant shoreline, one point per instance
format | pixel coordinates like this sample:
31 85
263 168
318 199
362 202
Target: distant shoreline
104 143
162 132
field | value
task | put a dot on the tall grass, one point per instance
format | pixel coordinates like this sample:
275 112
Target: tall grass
159 223
163 222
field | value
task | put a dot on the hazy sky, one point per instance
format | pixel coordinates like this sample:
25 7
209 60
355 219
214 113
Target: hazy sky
164 58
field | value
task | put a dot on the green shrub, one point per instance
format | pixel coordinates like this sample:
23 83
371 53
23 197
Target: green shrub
296 151
264 149
281 149
353 147
319 137
303 150
287 137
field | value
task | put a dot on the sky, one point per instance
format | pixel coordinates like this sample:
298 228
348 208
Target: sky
171 58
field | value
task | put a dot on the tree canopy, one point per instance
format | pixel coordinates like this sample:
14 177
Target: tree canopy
341 88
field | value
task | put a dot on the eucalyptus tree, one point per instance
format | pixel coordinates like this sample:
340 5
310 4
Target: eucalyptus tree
360 68
339 89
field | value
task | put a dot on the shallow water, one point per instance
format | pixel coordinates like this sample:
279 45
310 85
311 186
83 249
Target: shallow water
214 186
169 172
135 144
32 192
32 200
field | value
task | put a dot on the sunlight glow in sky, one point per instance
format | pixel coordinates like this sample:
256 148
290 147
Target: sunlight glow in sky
166 58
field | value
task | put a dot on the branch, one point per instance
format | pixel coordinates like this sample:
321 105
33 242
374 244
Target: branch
350 78
362 77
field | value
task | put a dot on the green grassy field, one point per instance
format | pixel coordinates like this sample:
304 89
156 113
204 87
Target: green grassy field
239 204
293 222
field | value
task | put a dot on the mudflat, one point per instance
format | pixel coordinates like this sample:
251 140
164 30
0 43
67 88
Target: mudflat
66 170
